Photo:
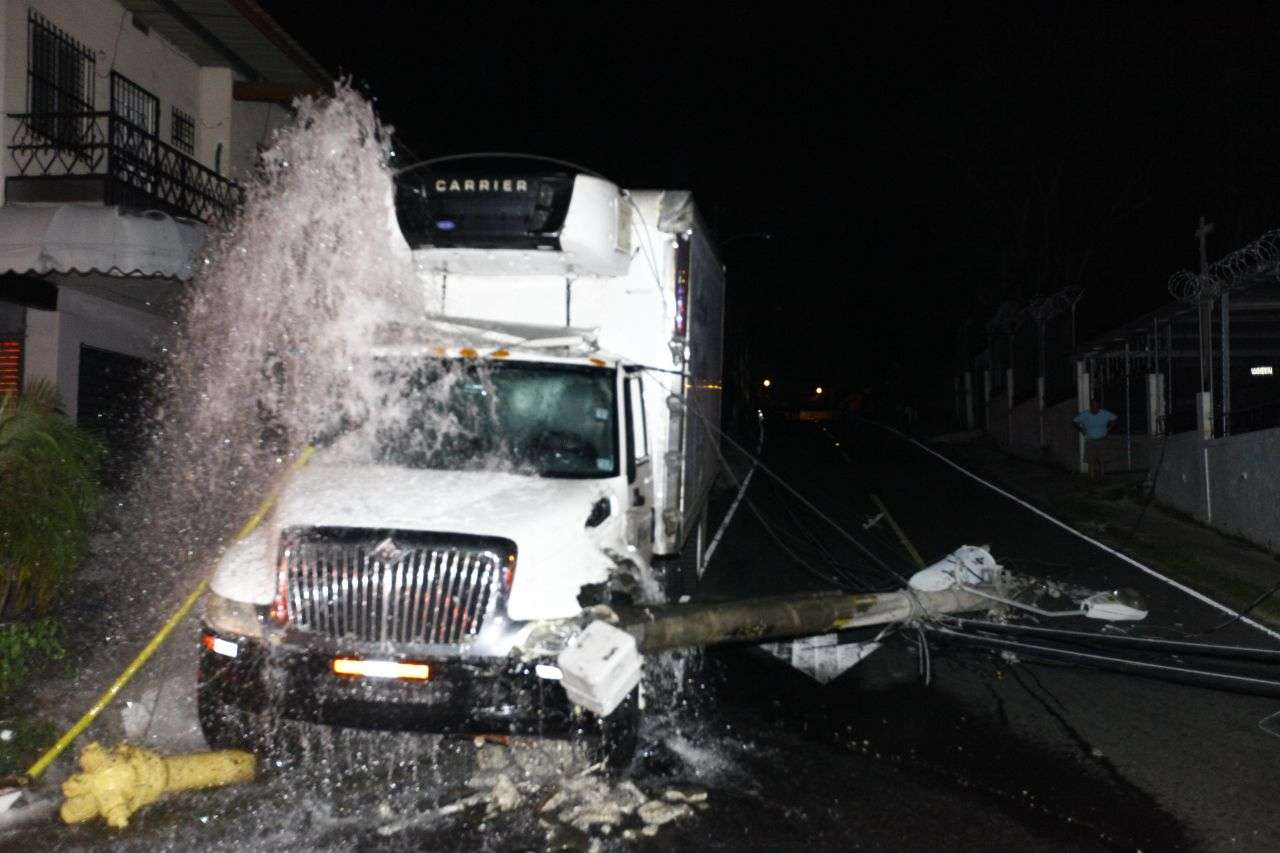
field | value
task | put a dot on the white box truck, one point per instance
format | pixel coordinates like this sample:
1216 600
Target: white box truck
424 586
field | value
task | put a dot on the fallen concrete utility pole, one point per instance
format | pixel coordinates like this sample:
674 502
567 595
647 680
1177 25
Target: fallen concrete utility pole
602 663
753 620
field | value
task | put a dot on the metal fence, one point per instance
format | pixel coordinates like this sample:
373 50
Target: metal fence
1031 344
1207 363
1213 355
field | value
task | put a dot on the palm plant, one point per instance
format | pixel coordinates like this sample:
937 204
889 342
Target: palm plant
49 490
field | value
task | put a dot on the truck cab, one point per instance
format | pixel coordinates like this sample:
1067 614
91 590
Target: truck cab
544 441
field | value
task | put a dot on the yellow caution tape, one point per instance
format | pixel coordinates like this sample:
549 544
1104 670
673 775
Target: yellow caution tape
143 656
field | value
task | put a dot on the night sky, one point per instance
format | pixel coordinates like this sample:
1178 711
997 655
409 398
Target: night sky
916 166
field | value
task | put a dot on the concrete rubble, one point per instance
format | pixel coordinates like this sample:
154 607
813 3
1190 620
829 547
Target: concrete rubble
548 777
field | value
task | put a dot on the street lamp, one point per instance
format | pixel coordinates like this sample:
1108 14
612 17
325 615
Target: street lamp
818 390
766 383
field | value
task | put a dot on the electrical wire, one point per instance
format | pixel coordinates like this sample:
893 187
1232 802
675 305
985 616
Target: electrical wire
1151 496
447 158
1155 476
115 48
867 552
843 575
1030 608
806 502
799 560
926 664
1234 619
809 536
645 245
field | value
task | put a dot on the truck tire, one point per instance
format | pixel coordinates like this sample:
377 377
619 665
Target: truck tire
620 734
226 726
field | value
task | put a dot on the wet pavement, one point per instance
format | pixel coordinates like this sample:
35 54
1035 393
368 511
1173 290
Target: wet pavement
989 754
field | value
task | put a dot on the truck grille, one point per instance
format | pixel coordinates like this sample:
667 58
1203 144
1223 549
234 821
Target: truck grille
398 586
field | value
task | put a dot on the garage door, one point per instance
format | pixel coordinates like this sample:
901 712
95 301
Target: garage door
113 395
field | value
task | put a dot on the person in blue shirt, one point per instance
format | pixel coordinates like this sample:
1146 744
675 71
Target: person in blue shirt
1095 425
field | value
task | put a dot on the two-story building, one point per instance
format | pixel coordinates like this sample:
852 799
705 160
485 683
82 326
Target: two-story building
128 127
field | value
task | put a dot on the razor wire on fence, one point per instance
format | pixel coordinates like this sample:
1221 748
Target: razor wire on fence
1033 339
1258 259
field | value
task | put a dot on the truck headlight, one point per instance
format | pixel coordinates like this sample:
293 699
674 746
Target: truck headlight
227 616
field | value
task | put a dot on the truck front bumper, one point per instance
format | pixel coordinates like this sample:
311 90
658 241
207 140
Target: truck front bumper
464 695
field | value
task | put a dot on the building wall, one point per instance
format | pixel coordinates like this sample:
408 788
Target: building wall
216 86
252 124
106 28
1243 495
54 338
1180 481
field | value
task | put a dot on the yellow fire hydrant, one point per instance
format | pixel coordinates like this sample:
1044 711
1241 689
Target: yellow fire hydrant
116 782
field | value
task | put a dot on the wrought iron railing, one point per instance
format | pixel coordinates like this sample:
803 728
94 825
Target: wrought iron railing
139 170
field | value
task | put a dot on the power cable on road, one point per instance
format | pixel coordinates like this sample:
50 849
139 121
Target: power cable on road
658 376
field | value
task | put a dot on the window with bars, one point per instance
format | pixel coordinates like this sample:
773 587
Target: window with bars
60 77
10 366
135 104
183 131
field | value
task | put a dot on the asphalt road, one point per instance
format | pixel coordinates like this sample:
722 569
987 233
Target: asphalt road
989 754
1140 763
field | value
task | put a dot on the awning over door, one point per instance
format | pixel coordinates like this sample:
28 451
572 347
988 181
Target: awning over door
76 238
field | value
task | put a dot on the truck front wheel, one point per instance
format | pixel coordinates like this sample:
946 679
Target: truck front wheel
225 726
620 734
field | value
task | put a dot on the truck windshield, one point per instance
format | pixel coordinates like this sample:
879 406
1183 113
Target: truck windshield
555 420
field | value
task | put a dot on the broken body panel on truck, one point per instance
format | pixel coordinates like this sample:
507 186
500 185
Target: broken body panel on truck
439 575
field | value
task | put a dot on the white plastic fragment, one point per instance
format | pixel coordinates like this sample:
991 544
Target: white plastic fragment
601 668
548 672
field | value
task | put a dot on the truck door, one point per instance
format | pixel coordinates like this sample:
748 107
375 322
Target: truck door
641 514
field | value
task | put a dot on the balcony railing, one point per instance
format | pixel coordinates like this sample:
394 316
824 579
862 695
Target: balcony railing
137 169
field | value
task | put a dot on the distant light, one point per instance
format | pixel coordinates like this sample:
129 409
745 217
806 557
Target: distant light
767 383
818 390
1262 370
446 224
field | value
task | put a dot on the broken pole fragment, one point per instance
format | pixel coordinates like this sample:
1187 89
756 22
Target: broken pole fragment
899 532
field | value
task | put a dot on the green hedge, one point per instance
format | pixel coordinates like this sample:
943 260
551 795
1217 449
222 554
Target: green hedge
49 490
